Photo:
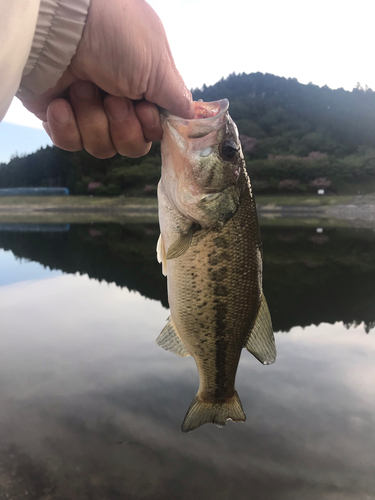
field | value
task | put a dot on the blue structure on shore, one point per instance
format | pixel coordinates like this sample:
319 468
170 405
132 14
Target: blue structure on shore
37 191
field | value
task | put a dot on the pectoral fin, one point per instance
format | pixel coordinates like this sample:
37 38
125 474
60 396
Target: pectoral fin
161 255
170 340
261 342
180 246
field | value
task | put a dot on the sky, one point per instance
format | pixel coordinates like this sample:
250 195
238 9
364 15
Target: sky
326 42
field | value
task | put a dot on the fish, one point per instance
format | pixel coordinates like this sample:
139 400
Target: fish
211 253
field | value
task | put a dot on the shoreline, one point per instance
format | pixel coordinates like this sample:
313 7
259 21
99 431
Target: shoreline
358 211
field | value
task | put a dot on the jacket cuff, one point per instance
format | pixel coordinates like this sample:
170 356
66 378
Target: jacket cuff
57 35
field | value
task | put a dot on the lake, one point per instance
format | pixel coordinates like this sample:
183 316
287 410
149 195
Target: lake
91 407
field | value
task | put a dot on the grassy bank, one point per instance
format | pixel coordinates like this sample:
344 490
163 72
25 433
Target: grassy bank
78 202
86 209
302 200
76 209
121 203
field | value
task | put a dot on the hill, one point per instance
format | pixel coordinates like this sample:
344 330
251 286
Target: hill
296 138
288 117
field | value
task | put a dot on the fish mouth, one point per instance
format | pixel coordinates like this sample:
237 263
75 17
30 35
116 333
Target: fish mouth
203 111
210 110
209 116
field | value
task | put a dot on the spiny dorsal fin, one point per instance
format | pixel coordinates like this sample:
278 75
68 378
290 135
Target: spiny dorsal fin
261 342
201 412
180 246
161 255
170 340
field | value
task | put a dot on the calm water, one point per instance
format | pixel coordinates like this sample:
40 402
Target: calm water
91 408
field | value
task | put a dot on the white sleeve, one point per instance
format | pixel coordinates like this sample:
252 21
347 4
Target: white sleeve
17 26
43 36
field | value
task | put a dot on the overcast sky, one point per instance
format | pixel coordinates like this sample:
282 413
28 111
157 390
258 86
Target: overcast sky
327 42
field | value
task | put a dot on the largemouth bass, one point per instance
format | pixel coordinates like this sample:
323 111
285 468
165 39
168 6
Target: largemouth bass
211 253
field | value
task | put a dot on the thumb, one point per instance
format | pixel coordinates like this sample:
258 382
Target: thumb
172 94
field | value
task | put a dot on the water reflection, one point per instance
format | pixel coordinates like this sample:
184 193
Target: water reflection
121 254
12 270
91 408
309 277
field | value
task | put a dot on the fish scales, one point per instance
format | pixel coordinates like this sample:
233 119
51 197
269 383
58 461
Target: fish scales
213 286
212 258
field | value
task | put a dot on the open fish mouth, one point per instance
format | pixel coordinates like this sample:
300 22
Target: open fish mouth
203 110
209 116
210 110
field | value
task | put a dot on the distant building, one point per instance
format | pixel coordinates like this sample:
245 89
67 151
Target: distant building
34 191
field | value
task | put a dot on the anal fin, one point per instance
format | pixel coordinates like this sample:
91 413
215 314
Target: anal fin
170 340
261 341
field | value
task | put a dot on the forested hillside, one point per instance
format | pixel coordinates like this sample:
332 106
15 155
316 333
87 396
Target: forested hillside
290 118
296 138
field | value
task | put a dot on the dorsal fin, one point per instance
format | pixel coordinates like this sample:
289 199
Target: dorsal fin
170 340
261 341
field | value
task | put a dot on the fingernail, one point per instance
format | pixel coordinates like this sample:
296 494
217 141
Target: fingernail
60 112
148 119
84 90
118 109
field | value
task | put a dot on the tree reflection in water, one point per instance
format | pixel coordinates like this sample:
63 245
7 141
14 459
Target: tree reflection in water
309 277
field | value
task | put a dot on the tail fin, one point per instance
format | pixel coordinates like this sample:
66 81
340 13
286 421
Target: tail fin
201 413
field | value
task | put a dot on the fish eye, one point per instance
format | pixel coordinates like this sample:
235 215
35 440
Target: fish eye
228 149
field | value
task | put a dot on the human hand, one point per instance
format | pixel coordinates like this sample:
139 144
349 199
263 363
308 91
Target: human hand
125 53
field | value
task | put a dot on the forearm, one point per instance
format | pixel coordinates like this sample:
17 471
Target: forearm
38 39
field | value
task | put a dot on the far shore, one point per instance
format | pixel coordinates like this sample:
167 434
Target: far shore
353 210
